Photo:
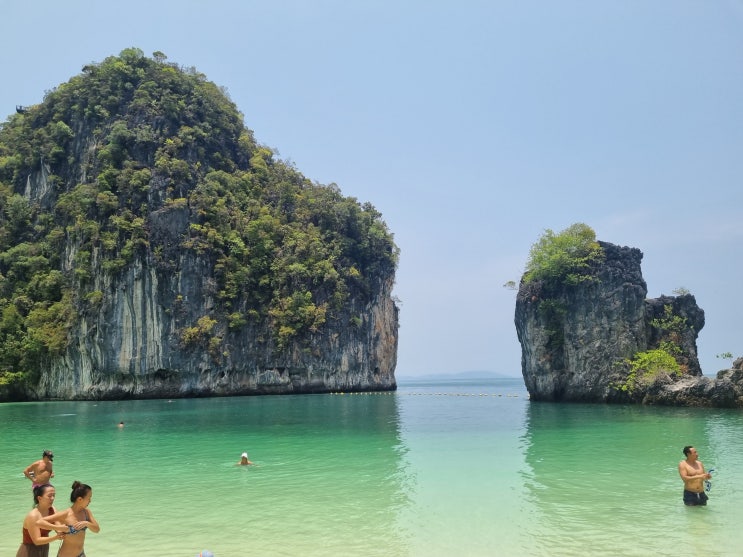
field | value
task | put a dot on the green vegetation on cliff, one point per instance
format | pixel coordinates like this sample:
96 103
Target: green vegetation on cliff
563 258
100 174
567 258
647 365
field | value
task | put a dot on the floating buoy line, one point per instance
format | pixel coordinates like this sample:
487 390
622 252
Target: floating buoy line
389 393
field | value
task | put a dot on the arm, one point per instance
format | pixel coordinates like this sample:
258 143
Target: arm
91 523
706 475
38 539
35 532
54 522
30 471
687 476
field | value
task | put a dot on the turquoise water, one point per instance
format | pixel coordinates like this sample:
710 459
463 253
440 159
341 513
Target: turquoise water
465 468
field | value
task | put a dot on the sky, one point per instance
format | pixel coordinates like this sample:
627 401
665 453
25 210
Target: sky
472 126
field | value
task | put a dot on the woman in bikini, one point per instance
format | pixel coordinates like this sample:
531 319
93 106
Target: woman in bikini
35 540
75 522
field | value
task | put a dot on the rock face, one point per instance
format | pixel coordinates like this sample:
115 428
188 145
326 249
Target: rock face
131 348
576 340
724 391
175 256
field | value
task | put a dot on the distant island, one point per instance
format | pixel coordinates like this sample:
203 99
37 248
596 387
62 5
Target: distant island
588 332
454 376
151 247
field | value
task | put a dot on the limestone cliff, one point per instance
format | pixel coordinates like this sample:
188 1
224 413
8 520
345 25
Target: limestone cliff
150 247
577 340
131 347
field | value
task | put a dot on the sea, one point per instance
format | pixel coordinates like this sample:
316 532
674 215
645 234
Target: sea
465 467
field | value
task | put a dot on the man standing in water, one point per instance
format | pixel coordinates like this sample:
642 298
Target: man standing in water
693 475
40 472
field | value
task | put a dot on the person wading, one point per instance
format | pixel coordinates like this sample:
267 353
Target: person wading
35 540
75 522
40 472
693 475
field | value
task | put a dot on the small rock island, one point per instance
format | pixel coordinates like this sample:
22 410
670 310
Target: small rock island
589 334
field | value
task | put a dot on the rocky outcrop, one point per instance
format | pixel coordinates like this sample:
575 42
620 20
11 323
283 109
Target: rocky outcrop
570 338
577 340
131 347
723 391
157 250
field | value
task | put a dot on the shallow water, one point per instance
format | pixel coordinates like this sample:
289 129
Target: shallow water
463 467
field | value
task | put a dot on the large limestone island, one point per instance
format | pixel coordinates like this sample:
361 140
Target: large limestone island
150 247
589 334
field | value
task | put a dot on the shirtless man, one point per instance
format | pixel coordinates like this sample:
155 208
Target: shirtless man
40 472
693 475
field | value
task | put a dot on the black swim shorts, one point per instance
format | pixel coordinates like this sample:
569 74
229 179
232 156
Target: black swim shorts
695 499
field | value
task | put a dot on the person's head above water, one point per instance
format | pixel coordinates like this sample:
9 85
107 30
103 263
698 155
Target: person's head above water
41 490
79 491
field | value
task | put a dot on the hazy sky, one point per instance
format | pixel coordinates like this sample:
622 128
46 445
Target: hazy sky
472 126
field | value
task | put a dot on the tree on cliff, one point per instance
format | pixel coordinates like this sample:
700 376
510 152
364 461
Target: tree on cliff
140 161
565 257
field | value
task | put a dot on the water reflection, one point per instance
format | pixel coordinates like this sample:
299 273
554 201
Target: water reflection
330 475
463 447
603 480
